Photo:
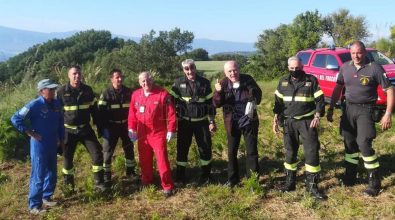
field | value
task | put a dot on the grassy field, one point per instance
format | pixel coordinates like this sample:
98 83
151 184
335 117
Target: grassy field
252 200
210 67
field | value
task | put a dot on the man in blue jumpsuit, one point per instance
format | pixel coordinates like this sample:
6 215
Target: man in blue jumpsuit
46 133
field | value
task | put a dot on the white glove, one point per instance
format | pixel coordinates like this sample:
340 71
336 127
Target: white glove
170 135
251 106
132 135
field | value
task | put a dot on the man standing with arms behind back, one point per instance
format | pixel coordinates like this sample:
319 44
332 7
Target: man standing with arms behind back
361 77
238 94
78 102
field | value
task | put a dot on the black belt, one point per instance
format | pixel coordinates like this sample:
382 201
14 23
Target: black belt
367 104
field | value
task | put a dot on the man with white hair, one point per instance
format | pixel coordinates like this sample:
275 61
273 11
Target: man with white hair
152 122
299 104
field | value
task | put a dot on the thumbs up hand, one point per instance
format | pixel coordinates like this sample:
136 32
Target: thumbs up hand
218 86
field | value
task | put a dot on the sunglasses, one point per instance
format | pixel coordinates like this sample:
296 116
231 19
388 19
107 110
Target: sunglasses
189 68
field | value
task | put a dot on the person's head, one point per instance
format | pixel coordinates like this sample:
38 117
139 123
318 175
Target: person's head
75 76
358 53
116 78
189 68
295 66
231 70
146 82
46 88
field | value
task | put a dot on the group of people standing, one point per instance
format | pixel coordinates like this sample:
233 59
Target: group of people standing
151 116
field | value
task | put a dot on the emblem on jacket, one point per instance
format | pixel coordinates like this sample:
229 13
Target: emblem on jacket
364 80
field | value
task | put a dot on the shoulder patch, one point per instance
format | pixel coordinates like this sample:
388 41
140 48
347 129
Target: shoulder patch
308 84
284 83
23 112
183 85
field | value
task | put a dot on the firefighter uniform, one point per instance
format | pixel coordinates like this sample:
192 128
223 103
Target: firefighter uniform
298 100
195 111
357 125
79 105
152 116
233 102
113 108
46 119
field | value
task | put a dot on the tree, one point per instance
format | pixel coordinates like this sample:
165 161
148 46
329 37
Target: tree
198 54
345 28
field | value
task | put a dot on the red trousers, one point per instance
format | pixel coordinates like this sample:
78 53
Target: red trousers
148 145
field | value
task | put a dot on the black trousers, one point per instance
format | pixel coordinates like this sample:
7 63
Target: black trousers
117 131
186 130
293 128
250 134
358 129
87 136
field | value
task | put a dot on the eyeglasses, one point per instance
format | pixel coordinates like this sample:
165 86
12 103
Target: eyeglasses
187 68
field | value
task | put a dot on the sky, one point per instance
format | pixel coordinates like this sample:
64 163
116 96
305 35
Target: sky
230 20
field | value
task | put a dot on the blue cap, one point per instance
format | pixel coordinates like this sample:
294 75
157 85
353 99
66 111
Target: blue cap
46 84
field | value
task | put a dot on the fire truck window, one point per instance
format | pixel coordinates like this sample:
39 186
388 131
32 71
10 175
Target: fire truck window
320 61
331 60
304 57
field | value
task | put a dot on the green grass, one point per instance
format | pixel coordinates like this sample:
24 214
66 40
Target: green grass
253 200
210 67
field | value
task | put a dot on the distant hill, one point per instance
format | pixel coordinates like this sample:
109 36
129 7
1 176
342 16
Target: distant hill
14 41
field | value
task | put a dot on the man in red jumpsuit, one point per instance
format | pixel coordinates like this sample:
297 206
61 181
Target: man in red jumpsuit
152 121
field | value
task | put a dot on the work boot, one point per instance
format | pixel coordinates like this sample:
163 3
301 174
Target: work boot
374 186
312 180
180 176
99 181
350 175
204 178
131 174
290 181
68 181
107 179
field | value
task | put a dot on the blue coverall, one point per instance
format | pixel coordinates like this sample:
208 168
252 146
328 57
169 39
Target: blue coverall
46 119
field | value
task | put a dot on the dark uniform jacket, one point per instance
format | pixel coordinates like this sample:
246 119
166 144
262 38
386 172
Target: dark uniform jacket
78 105
114 105
193 103
300 98
234 101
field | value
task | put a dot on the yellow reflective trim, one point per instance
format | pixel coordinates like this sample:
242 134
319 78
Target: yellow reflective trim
186 98
205 162
86 106
102 102
293 166
171 92
201 100
70 108
351 160
68 172
368 159
354 155
278 94
96 169
107 167
180 163
74 126
318 93
372 166
195 119
209 96
126 105
130 163
298 99
305 115
312 169
115 106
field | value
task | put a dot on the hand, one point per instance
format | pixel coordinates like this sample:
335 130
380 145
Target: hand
329 115
315 122
276 128
132 135
170 135
105 133
212 127
34 135
386 121
218 86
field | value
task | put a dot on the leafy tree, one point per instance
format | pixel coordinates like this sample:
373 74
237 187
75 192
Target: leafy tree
198 54
345 28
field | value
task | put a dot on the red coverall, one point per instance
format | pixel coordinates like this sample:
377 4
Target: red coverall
152 117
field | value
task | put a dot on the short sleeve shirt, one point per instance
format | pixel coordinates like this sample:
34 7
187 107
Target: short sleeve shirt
361 84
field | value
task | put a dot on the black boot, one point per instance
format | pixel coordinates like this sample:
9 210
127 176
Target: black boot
290 181
374 186
350 175
131 173
312 180
205 175
69 181
180 176
107 179
99 181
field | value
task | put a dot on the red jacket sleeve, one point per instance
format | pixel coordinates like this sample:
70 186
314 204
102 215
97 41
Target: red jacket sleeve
171 113
132 120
